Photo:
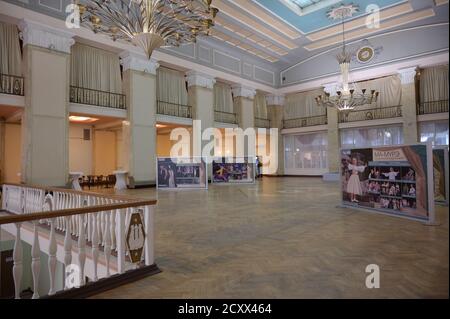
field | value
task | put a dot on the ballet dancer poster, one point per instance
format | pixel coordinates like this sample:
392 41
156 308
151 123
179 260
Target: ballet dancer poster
181 173
233 170
393 179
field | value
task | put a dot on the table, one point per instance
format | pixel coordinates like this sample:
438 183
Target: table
74 179
121 179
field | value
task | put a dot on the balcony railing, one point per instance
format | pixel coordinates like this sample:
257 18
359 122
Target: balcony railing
97 98
432 107
11 84
305 121
172 109
87 232
225 117
378 113
262 123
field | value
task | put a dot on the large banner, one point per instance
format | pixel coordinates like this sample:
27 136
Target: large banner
233 170
440 173
395 180
181 173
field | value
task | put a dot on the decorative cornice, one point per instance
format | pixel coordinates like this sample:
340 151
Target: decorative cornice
242 91
138 62
41 35
273 99
195 78
407 75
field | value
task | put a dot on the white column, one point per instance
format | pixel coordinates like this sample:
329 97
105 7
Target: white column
139 130
409 105
243 106
275 104
201 99
334 141
46 68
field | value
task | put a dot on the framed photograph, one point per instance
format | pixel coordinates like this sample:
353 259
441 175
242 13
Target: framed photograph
181 173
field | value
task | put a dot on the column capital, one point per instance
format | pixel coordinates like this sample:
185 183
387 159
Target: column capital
195 78
330 88
275 99
43 36
135 61
407 75
243 91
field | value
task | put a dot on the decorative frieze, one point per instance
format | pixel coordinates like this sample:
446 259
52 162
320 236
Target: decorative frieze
43 36
243 91
138 62
273 99
407 75
195 78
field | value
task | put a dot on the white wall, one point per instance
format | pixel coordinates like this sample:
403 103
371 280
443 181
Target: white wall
80 151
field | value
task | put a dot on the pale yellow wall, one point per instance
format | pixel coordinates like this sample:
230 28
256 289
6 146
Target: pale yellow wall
13 142
104 152
163 145
119 150
80 150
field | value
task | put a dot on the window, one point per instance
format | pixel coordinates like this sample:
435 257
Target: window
306 153
371 136
436 132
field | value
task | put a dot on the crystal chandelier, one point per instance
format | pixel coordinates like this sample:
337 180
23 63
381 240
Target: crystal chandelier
149 24
348 96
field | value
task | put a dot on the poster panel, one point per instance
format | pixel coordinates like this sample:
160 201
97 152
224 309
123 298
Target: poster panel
440 174
181 172
233 170
395 180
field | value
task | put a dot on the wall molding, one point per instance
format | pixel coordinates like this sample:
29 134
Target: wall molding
229 56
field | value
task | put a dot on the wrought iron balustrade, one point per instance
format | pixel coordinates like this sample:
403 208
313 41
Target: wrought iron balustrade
11 84
172 109
378 113
97 98
432 107
262 123
225 117
305 121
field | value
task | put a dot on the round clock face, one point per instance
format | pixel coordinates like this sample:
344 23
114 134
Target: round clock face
365 54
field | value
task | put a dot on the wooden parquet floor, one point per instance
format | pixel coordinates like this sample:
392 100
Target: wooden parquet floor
285 238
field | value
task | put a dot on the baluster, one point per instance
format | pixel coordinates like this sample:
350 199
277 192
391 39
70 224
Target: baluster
107 248
82 250
113 230
17 258
95 244
52 257
99 224
35 261
67 246
120 214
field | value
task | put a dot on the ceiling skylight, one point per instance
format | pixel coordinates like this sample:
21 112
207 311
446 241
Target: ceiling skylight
302 7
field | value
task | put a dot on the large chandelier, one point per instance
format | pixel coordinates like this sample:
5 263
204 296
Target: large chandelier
149 24
347 96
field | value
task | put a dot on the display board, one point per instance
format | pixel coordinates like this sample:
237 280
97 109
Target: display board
233 170
440 173
181 172
396 180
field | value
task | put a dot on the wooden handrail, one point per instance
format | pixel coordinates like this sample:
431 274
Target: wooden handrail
70 212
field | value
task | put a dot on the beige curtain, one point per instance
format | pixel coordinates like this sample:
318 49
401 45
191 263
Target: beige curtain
390 89
10 54
434 84
303 105
95 69
171 86
223 99
260 105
